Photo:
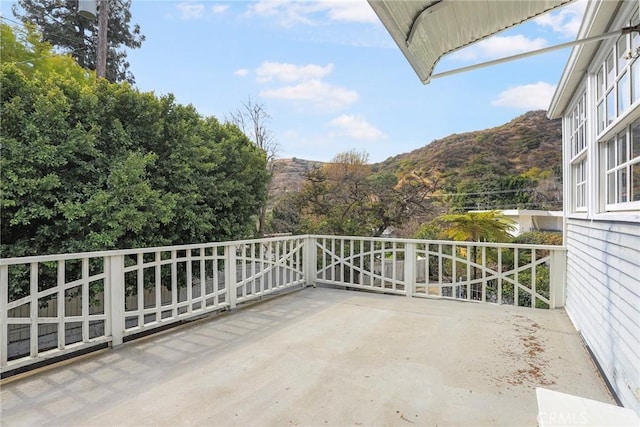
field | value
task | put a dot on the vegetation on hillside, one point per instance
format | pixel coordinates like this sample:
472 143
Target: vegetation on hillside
344 197
516 165
91 165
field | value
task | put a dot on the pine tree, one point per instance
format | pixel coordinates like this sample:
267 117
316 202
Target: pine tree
60 25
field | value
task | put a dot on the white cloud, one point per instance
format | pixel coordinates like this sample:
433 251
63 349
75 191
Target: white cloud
314 12
219 8
357 128
190 10
565 21
321 94
348 11
242 72
499 46
536 96
268 71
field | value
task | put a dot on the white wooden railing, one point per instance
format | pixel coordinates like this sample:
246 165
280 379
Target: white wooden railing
523 275
54 305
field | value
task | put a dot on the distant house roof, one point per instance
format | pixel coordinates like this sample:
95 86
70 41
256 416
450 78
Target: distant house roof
426 30
596 20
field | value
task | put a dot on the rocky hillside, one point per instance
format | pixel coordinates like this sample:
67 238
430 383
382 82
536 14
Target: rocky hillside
526 142
288 176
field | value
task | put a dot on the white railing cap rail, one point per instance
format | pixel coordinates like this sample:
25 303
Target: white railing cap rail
445 242
133 251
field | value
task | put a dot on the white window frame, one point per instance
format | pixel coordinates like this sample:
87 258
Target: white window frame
614 117
617 78
576 125
617 168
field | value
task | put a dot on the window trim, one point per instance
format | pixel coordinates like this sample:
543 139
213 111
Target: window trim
626 124
577 122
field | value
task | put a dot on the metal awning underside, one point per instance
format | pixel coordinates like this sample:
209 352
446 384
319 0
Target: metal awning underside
426 30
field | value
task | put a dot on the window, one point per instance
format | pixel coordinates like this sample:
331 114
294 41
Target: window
579 178
621 160
617 111
618 79
577 126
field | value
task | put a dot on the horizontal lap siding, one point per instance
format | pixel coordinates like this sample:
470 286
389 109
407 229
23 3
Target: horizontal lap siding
603 298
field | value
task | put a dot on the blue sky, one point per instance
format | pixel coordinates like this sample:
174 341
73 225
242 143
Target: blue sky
331 77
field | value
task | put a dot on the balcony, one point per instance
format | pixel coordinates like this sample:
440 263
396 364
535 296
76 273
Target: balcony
398 348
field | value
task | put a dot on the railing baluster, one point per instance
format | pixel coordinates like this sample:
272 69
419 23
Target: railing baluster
533 278
85 300
557 275
499 269
410 268
469 278
454 269
516 263
483 296
230 274
174 283
4 301
189 270
263 267
394 260
33 285
158 287
140 286
116 293
203 279
440 266
60 306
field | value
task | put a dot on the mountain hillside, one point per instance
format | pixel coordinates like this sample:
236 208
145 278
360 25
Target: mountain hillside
288 177
531 140
527 142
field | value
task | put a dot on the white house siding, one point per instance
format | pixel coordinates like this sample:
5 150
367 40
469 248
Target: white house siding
603 298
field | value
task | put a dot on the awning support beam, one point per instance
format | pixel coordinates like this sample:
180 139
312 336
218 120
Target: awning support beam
625 30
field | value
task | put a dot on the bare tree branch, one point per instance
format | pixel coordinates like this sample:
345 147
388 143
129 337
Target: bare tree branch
252 119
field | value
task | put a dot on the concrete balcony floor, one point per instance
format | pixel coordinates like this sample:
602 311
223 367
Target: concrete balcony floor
320 357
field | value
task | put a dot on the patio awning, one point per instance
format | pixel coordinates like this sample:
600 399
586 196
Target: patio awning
426 30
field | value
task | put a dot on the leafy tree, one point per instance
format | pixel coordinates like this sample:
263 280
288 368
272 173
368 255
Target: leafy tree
345 197
128 212
475 227
471 226
92 165
335 197
285 216
59 23
25 50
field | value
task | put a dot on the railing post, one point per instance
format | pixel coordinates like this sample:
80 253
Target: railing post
557 277
309 261
115 294
230 272
409 268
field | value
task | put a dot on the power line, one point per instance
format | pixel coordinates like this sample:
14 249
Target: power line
553 203
482 193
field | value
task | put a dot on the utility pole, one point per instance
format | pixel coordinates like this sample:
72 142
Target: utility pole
103 22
